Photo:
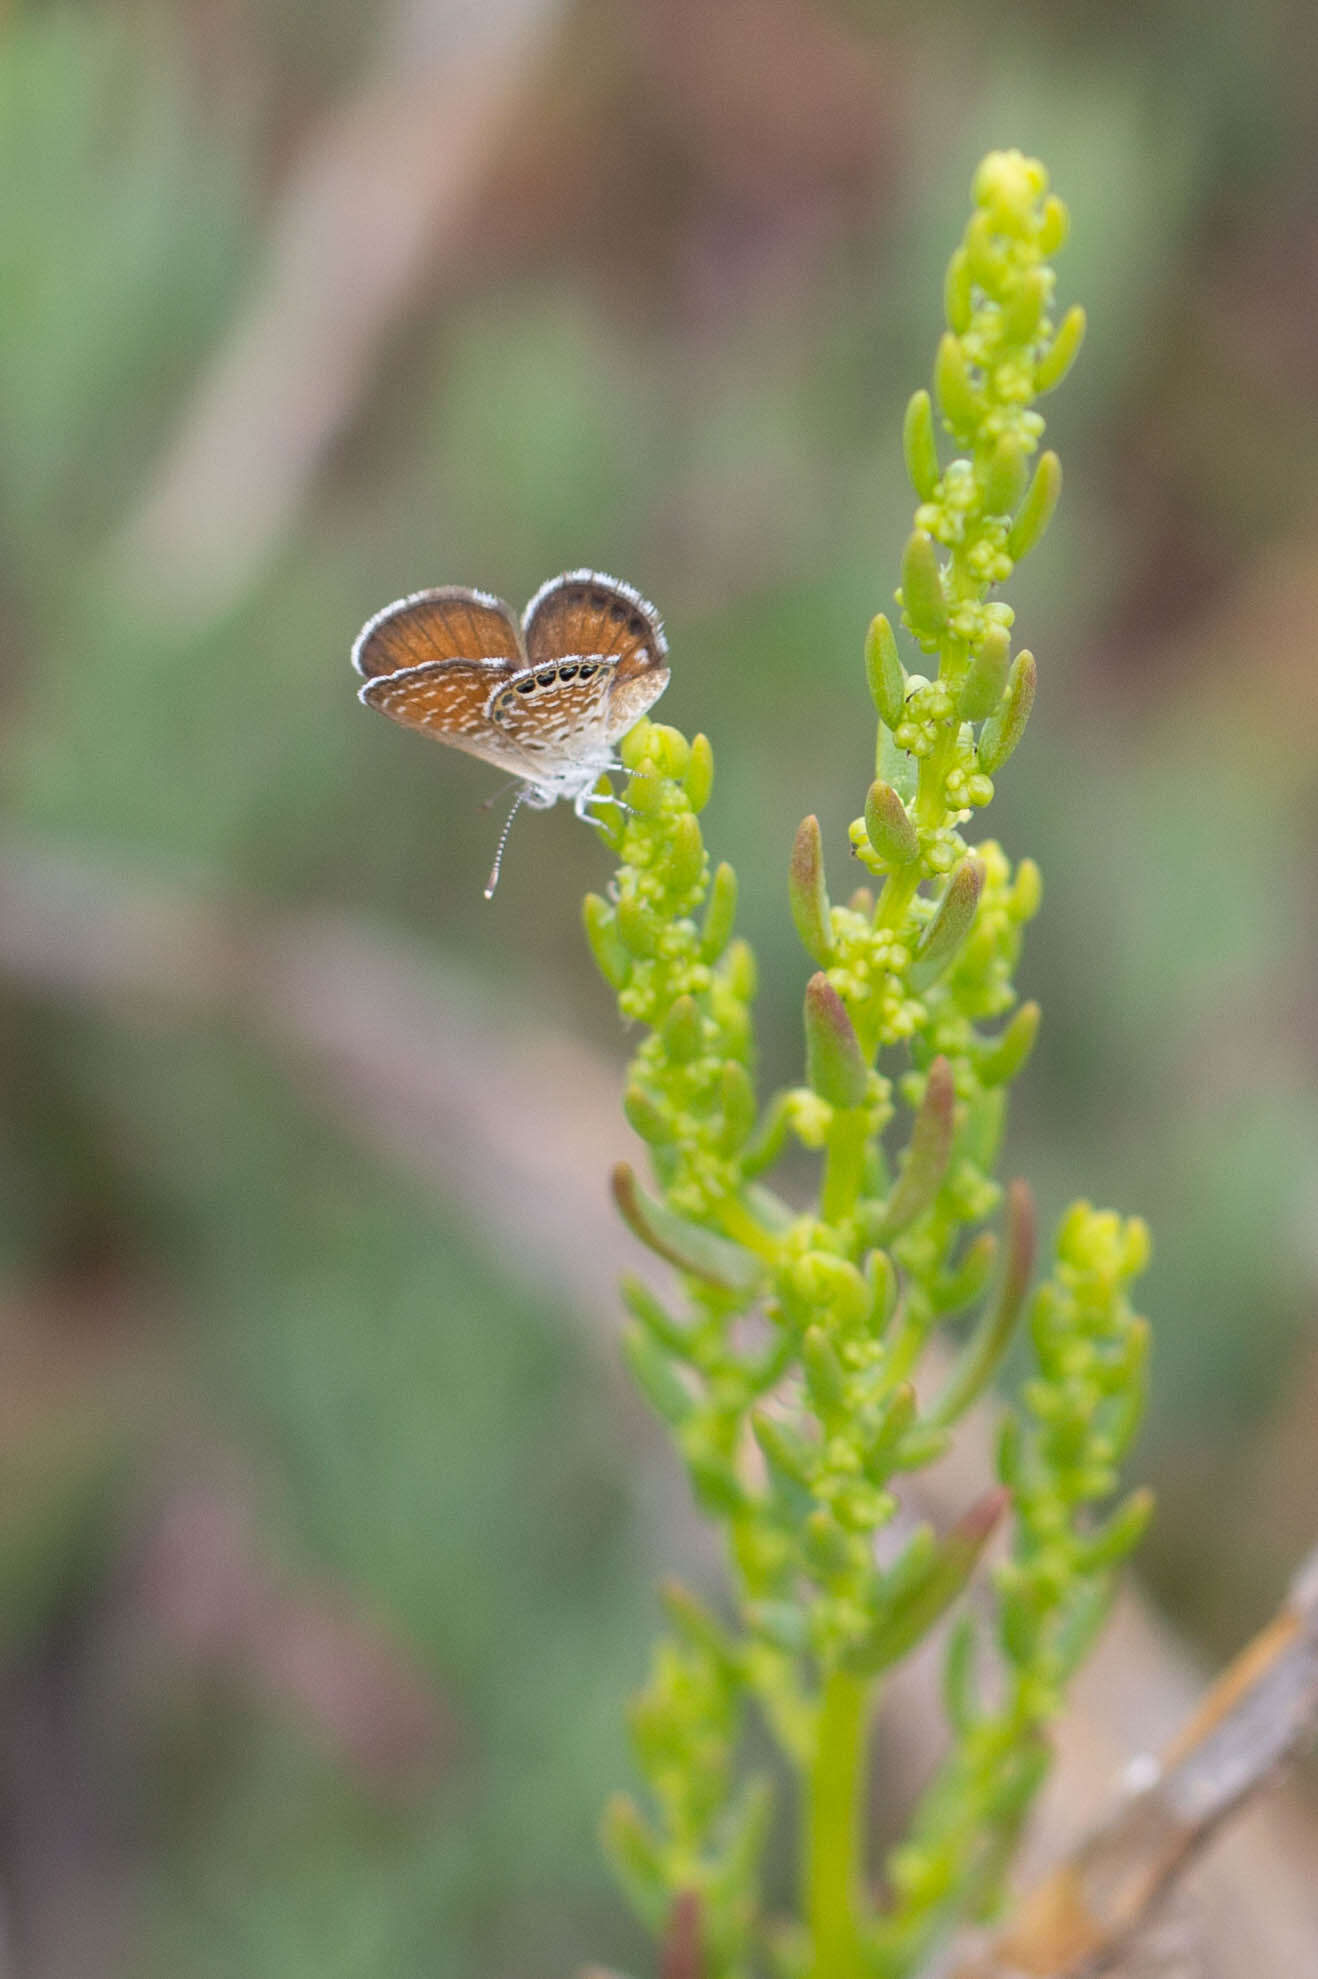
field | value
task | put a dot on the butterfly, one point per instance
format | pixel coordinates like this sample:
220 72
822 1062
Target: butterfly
545 699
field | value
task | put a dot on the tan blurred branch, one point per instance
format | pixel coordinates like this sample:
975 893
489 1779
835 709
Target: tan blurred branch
370 205
1088 1914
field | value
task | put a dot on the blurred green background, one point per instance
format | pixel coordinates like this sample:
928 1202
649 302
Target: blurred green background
329 1530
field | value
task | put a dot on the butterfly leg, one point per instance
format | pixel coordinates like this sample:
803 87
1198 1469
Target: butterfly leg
583 800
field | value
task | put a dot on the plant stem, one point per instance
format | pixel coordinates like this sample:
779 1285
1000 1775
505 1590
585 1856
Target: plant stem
834 1834
844 1165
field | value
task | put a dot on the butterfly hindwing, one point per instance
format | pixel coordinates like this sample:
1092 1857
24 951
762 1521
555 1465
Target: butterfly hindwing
449 699
558 709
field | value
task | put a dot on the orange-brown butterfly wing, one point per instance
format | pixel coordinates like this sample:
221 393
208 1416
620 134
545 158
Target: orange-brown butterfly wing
432 661
557 714
447 699
586 613
451 623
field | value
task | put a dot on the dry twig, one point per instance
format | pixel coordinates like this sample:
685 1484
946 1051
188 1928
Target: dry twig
1088 1916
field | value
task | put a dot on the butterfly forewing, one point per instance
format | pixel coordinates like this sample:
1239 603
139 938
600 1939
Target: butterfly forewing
451 623
433 660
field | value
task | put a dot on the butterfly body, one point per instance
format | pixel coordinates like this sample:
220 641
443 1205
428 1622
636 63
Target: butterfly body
545 699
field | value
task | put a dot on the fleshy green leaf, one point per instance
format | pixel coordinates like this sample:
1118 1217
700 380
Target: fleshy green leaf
923 603
687 1245
927 1155
920 445
884 671
1037 510
950 925
888 825
834 1065
982 1354
809 894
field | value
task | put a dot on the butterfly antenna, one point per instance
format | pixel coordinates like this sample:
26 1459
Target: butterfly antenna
493 880
488 803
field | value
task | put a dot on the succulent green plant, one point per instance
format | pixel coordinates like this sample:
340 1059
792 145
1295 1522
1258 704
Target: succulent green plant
798 1378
